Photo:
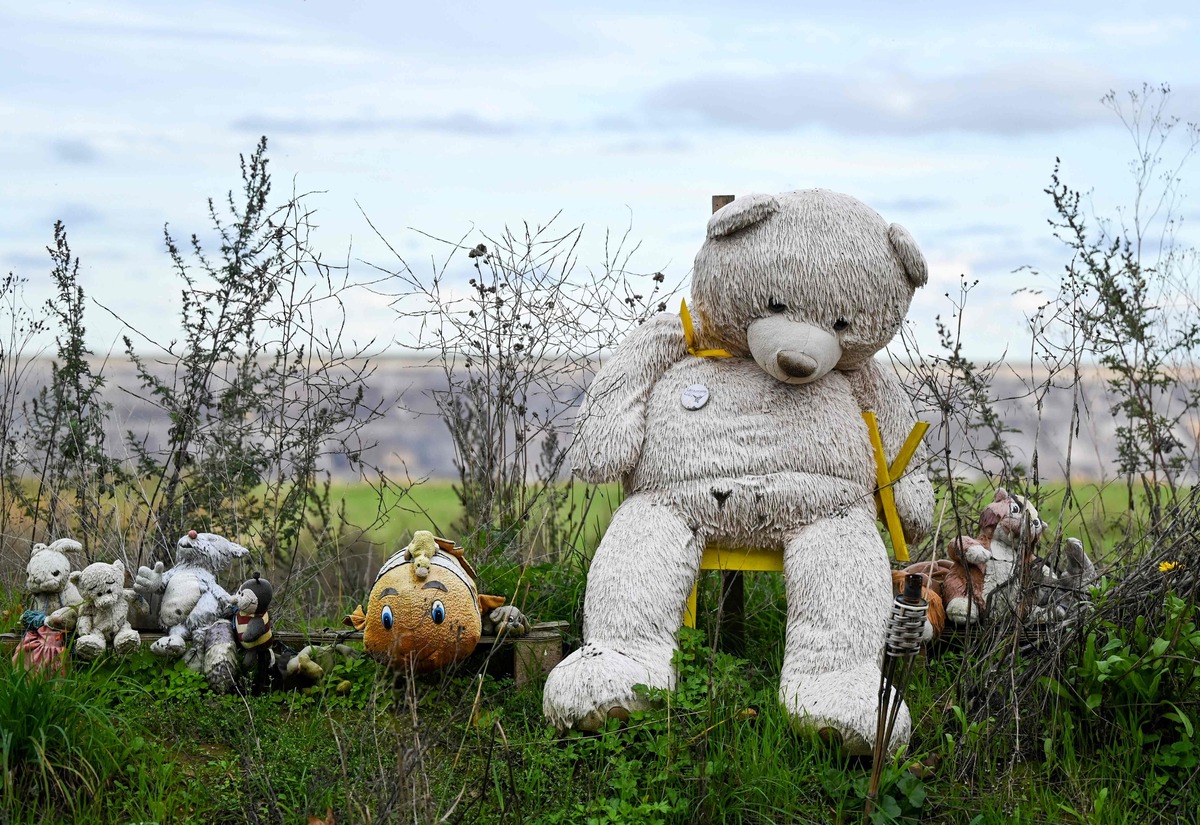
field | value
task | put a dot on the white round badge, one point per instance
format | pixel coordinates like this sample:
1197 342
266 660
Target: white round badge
695 397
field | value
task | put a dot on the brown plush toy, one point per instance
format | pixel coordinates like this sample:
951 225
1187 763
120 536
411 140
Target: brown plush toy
958 579
981 576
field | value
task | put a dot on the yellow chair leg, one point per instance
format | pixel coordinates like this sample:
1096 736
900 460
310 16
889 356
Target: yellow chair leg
689 612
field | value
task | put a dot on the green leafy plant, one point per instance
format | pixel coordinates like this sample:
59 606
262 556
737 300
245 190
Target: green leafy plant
901 796
66 421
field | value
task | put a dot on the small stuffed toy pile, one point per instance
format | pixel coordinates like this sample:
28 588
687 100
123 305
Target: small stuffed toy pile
425 611
191 598
980 578
765 448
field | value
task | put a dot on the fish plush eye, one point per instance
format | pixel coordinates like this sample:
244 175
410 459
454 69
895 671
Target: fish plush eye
387 617
438 612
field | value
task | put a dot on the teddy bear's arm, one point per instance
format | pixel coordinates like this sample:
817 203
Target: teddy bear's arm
611 424
152 581
70 596
880 390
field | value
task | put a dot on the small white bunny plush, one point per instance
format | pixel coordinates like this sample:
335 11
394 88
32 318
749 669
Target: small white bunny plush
47 579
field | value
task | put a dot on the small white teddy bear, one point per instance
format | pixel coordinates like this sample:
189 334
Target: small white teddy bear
104 611
50 588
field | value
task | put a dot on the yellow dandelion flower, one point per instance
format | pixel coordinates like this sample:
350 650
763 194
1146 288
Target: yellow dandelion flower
1167 566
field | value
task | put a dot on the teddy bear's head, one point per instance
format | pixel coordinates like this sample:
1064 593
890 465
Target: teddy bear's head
101 584
804 282
49 566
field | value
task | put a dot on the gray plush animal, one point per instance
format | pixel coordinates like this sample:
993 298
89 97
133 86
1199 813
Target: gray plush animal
103 615
52 594
765 447
191 597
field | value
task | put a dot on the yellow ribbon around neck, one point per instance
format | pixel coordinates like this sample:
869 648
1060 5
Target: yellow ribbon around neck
689 335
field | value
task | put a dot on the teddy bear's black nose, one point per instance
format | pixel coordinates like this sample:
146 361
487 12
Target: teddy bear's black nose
796 364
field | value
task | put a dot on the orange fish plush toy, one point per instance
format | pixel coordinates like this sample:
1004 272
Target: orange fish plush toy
425 611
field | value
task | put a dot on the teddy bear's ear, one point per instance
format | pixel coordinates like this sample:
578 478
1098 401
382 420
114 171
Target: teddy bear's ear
736 216
75 576
910 255
119 566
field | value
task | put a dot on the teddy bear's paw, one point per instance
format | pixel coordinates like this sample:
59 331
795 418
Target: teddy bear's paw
89 647
127 641
595 684
149 580
168 647
961 611
63 619
841 704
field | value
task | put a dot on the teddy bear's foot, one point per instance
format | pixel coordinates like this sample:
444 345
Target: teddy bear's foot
595 684
961 611
89 647
126 641
169 647
841 704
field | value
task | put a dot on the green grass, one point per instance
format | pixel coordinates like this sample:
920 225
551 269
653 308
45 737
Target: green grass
1098 514
473 748
156 745
390 520
65 753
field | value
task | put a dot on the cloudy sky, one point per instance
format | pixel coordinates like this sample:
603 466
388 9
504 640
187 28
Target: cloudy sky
119 117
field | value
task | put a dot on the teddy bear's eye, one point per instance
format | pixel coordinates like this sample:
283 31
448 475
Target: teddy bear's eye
776 307
55 573
840 324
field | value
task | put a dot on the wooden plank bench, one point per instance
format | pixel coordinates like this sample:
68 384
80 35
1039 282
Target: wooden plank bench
533 654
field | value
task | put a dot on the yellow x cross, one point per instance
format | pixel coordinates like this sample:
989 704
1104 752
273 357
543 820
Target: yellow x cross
886 476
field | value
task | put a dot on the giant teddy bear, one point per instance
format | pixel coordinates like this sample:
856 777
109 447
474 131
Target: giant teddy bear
766 447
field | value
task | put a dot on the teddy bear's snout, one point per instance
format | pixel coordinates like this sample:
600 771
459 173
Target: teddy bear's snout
796 364
795 352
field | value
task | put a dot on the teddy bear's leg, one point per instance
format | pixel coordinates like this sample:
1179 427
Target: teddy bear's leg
637 586
173 644
127 640
838 593
90 646
959 607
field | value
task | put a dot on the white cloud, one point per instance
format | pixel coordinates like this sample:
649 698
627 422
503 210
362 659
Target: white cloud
1011 100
